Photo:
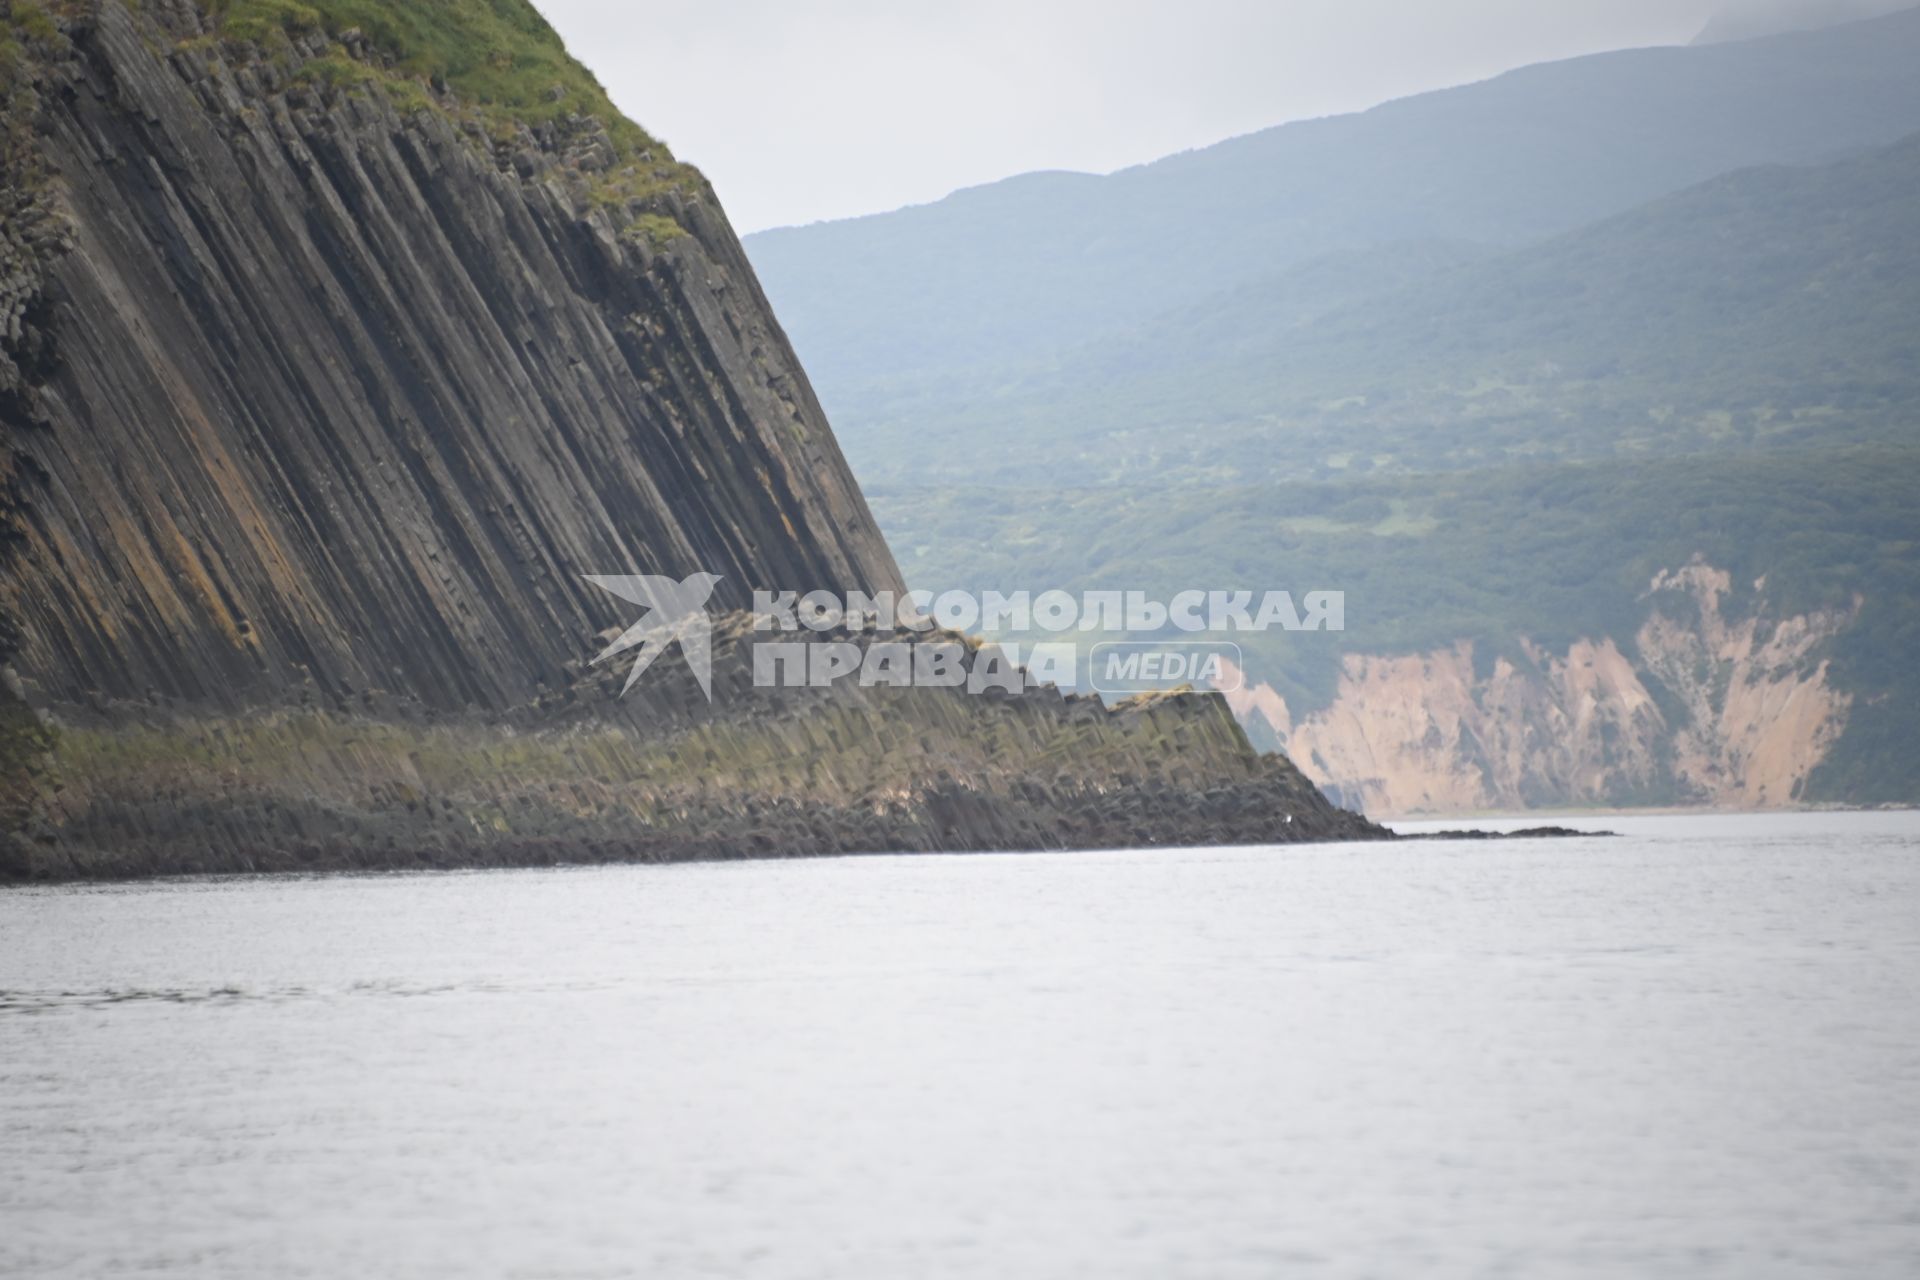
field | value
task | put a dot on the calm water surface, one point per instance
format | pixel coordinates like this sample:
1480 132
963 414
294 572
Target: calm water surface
1692 1051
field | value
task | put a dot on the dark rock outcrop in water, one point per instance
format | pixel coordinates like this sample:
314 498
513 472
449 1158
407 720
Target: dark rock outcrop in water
318 403
1526 833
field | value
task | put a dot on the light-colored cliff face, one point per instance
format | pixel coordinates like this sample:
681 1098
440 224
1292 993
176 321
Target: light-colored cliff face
1746 713
1760 711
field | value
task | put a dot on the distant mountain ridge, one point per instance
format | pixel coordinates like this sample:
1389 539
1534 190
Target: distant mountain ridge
1732 308
1047 261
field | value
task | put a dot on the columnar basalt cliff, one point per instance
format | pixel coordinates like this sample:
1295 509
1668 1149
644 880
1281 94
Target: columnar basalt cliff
323 387
339 398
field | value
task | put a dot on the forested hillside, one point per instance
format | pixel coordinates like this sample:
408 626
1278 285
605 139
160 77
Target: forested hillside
1497 449
1774 307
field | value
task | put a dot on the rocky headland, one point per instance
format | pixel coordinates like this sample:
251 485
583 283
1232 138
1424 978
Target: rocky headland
329 367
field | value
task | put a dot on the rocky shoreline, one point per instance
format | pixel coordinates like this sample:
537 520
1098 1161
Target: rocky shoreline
660 775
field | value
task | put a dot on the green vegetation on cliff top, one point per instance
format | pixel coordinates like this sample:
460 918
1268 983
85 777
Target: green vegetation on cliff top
20 22
501 58
499 52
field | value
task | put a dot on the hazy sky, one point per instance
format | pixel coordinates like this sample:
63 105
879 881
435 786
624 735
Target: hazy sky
807 109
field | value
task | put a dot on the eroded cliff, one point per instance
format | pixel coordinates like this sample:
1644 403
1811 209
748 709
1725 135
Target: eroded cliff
1700 706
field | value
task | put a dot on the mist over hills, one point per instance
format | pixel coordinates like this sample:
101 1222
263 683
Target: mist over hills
1046 261
1764 308
1759 18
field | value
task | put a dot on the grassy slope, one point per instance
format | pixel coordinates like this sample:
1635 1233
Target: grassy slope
502 61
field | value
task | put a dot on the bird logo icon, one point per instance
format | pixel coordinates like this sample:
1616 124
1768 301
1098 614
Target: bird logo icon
676 611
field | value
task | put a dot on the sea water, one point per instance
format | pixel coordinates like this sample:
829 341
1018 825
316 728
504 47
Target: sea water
1692 1050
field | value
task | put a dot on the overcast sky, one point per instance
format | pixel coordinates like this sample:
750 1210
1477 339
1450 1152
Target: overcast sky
806 109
